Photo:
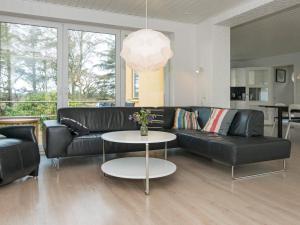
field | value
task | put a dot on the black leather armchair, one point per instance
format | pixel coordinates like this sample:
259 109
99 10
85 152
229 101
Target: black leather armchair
19 153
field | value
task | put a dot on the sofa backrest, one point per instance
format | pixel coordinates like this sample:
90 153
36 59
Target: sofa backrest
246 123
203 114
101 119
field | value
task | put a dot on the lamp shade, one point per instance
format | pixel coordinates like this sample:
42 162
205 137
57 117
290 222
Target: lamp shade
146 50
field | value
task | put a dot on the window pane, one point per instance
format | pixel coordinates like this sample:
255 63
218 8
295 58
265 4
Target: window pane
28 70
92 69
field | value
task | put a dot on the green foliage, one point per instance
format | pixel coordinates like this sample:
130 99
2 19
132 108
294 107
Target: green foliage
28 69
143 117
38 104
92 62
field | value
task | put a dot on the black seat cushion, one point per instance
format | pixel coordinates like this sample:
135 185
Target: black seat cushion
89 144
18 158
234 150
240 150
195 141
9 142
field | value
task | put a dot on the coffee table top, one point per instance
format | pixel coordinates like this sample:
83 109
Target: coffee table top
134 137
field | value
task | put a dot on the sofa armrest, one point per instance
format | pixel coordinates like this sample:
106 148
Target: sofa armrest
25 133
56 138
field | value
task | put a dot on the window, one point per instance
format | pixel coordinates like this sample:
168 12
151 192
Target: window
144 88
28 70
92 69
135 85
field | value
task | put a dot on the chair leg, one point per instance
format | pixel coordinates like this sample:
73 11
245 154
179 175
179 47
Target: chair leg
35 173
288 131
55 163
283 169
273 128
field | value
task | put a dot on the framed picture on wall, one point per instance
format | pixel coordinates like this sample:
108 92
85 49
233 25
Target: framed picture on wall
280 75
135 85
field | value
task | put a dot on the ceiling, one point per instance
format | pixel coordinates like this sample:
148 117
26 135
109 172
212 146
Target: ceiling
188 11
269 36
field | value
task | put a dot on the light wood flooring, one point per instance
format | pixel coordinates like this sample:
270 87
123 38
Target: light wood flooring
200 192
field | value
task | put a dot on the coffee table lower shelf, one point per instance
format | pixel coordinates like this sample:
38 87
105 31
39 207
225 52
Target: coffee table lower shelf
135 168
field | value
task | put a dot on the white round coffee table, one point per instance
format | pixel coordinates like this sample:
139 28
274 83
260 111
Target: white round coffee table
138 167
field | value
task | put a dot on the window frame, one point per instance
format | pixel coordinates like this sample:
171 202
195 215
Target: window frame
42 23
47 24
92 29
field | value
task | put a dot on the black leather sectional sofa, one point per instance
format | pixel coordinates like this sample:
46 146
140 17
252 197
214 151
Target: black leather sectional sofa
245 142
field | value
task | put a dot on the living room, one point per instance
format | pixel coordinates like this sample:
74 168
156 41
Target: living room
121 112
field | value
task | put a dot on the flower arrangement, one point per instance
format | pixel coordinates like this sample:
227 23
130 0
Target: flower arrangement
143 117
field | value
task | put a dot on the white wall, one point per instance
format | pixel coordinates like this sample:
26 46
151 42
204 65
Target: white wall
279 60
284 92
213 55
213 48
182 77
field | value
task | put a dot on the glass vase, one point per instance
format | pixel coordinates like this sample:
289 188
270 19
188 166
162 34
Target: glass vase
144 130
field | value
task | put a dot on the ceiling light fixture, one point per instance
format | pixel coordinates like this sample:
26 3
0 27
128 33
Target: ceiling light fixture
146 49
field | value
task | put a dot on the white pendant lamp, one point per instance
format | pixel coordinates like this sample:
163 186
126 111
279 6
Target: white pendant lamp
146 49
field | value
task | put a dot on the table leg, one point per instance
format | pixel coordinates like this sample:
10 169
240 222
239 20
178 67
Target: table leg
147 169
166 150
103 152
103 155
279 132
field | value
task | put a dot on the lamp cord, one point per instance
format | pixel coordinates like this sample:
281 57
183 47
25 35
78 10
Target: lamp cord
146 14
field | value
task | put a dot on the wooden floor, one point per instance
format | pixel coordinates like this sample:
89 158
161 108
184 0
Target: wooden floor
200 192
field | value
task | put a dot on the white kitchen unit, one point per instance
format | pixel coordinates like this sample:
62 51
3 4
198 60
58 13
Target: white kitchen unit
251 87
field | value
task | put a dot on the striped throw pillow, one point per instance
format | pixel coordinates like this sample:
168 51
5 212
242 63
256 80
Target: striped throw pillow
186 120
158 122
220 121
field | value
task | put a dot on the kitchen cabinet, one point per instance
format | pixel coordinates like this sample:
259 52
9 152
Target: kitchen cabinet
258 84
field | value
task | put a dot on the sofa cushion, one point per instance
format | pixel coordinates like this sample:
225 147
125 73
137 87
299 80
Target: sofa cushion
169 115
241 150
247 123
220 121
90 144
158 122
232 149
186 120
102 119
195 141
8 142
203 114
